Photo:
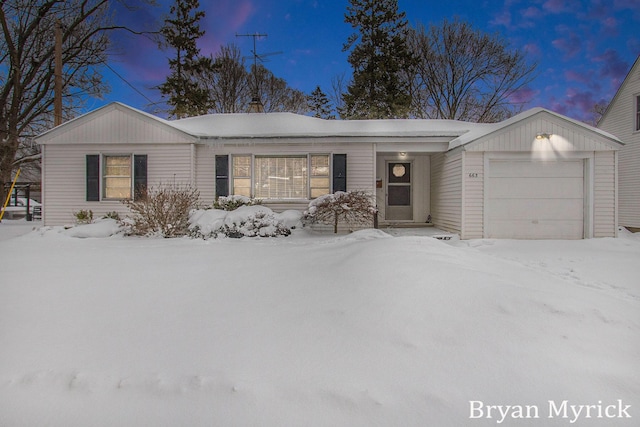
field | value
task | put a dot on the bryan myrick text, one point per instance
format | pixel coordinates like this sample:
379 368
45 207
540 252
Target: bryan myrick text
572 413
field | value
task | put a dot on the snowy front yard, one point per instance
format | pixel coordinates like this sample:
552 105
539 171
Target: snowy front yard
365 329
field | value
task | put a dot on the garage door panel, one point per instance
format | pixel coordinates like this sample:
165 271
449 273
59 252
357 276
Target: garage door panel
535 169
535 188
546 229
531 199
532 210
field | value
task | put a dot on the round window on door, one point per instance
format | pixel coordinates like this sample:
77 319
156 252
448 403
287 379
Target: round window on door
399 173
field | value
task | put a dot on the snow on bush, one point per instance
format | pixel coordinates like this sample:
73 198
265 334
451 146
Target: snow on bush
233 202
356 208
245 221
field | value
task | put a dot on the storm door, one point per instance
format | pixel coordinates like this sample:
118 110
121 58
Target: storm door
399 205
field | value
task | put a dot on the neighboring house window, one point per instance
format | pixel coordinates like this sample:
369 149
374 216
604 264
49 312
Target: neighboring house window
118 175
638 112
293 177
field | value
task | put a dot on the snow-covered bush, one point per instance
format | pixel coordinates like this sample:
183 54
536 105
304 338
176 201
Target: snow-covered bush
356 208
83 216
233 202
163 211
246 221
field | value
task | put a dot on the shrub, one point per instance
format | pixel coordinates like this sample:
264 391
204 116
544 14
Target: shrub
246 221
355 208
112 215
262 224
164 210
84 216
233 202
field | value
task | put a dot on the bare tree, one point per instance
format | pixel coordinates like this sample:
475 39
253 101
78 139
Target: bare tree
227 82
27 46
598 111
465 74
275 94
338 88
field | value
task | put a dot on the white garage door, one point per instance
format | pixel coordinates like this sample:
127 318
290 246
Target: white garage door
530 199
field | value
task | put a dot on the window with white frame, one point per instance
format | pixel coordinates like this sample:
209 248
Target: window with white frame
320 182
117 177
292 177
637 112
242 175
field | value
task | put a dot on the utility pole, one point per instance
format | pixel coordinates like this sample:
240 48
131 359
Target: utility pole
57 90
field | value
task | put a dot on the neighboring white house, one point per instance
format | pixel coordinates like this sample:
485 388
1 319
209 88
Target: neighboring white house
622 118
537 175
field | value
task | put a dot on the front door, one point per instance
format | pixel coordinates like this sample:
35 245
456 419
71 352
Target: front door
399 206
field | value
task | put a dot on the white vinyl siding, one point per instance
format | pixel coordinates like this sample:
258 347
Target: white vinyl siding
446 194
473 195
565 137
204 178
621 120
64 191
604 195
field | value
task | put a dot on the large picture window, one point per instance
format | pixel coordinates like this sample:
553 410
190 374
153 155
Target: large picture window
117 177
281 178
296 177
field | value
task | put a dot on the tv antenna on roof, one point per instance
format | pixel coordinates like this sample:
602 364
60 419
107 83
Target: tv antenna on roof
256 105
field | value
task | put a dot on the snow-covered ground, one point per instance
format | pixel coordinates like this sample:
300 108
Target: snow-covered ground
365 329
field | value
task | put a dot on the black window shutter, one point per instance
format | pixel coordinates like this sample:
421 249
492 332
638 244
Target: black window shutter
139 176
339 172
93 177
222 176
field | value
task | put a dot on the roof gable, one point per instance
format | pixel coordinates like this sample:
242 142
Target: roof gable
519 132
115 123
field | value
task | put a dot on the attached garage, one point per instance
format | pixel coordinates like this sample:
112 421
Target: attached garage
537 175
535 199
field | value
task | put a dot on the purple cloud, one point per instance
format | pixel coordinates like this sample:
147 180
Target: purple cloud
531 12
523 95
532 49
570 45
575 76
503 18
612 66
556 6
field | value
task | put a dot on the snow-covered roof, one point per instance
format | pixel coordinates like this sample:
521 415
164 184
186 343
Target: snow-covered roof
270 126
283 125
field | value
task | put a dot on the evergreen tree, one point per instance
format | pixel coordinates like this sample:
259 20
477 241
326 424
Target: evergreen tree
181 30
319 104
379 54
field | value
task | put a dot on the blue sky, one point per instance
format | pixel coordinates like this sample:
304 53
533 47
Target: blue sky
583 48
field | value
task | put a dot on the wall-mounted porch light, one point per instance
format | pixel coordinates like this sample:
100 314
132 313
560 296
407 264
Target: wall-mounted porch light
543 135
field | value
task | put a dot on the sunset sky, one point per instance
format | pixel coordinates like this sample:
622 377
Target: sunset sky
583 48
